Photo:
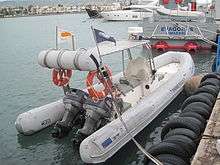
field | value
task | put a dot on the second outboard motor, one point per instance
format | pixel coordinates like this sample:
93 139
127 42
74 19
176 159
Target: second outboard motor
96 113
74 113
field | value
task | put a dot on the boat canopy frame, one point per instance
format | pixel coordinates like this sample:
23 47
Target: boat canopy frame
107 49
149 56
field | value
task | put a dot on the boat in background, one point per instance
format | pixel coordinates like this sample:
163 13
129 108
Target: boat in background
190 31
196 8
132 12
93 13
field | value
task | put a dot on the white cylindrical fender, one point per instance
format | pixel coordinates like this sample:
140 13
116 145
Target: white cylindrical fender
68 59
36 119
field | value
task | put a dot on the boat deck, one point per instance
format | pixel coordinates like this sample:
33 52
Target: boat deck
206 153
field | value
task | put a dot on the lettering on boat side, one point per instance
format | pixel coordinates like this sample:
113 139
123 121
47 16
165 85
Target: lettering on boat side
178 85
107 142
46 122
176 30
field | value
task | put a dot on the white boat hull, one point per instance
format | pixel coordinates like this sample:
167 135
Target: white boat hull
105 142
123 15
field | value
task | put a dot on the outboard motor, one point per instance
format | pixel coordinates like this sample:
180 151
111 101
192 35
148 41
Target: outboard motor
74 113
97 115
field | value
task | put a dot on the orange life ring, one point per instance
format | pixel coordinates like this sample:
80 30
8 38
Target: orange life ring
61 77
107 83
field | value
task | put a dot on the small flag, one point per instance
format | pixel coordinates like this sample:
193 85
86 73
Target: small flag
64 35
100 36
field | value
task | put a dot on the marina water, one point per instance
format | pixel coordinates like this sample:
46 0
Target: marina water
25 85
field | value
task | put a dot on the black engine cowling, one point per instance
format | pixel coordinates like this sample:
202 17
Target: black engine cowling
74 114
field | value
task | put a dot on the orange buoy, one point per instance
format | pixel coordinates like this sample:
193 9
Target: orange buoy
107 83
61 77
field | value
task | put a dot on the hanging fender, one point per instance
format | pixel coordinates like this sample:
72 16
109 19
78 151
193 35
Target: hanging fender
61 77
161 46
191 46
107 83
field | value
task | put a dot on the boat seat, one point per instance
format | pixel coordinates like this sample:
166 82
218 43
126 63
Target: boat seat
137 72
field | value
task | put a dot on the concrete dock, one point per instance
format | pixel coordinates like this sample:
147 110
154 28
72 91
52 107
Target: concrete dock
206 153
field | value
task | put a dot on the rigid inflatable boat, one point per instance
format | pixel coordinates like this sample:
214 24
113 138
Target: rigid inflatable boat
173 70
140 92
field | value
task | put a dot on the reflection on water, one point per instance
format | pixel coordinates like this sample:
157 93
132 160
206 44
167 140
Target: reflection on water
64 153
40 138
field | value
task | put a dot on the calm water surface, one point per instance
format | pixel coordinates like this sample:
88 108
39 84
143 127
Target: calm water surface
25 85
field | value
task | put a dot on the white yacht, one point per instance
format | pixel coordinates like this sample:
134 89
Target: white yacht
132 12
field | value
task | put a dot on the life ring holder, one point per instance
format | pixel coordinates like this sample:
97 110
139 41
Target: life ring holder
107 83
